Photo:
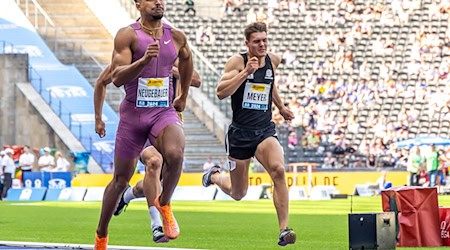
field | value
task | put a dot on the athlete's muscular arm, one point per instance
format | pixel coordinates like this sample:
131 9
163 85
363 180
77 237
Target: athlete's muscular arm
196 79
99 97
284 111
185 68
123 70
234 74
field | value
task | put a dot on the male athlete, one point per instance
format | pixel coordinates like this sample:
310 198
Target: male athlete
143 57
149 156
249 79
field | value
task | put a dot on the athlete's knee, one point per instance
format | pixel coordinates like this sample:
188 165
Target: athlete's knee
175 156
238 195
138 190
153 163
277 172
120 183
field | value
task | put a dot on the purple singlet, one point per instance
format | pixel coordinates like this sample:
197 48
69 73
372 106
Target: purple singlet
147 107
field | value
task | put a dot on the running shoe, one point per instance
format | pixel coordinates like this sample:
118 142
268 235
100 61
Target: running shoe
170 225
159 236
287 236
206 179
101 243
122 205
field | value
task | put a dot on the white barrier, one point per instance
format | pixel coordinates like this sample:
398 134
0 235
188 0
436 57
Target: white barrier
322 192
94 194
363 190
297 193
72 194
253 193
194 193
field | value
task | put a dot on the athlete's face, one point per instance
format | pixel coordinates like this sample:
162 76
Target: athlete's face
153 9
257 44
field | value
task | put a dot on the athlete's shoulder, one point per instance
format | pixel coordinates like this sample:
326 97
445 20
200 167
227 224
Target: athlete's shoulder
275 58
236 59
125 33
235 62
128 29
178 34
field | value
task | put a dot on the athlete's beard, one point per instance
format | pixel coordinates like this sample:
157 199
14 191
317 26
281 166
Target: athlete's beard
157 17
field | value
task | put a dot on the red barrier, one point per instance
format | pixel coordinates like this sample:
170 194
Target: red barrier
444 213
418 215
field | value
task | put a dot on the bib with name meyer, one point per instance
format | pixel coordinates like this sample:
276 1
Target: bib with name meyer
256 96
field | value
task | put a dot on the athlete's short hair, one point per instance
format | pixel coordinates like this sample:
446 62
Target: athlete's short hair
253 28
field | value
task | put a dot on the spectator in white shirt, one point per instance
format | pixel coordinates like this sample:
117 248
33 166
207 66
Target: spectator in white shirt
26 160
2 155
46 162
62 165
208 164
9 170
251 16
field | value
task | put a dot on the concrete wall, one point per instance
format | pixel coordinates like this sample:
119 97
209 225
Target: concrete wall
13 68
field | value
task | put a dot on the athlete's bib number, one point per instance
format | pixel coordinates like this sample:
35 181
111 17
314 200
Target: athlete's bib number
152 92
256 96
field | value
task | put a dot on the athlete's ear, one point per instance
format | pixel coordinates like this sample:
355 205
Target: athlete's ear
138 4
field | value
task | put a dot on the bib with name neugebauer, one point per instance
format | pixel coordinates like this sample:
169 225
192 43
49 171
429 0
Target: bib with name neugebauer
152 92
256 96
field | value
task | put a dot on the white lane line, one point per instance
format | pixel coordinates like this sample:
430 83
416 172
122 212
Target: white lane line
78 246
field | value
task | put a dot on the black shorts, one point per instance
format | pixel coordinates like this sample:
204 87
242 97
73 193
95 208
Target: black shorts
241 143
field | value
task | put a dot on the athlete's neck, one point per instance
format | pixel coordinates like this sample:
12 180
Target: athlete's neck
151 24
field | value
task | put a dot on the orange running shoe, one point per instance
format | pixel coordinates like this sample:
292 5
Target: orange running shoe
170 225
101 243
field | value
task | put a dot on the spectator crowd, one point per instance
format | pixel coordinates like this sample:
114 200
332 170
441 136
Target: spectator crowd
16 160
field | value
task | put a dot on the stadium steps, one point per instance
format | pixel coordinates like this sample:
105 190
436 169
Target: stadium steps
76 22
200 143
80 37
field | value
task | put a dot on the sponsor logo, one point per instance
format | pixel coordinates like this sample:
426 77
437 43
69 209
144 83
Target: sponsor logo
269 74
31 50
155 82
57 183
64 91
86 118
258 87
104 146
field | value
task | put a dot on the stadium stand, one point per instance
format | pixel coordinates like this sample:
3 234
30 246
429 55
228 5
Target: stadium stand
62 87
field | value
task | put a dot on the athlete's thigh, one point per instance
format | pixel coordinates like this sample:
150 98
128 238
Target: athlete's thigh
124 167
269 153
239 173
170 140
